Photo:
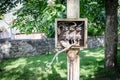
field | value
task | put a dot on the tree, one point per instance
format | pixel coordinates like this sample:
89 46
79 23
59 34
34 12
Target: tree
6 5
35 15
43 16
94 10
111 34
39 16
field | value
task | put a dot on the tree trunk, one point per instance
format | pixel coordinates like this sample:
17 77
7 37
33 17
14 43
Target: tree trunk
111 34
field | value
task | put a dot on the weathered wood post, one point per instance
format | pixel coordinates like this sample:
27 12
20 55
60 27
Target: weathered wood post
73 10
73 59
71 35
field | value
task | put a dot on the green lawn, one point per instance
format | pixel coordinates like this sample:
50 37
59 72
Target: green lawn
34 68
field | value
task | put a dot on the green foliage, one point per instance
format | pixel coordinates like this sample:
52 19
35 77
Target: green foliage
94 11
119 25
118 19
6 5
37 16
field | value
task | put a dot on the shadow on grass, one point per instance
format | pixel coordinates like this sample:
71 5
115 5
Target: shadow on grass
55 75
103 74
92 66
32 68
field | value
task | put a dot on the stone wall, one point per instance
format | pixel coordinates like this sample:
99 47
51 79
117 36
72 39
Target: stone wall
20 48
95 41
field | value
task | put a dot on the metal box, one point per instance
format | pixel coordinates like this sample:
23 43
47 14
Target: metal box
70 31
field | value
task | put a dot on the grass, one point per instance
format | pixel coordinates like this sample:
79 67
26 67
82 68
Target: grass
34 68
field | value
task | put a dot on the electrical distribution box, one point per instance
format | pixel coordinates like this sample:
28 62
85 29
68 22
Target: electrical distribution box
70 31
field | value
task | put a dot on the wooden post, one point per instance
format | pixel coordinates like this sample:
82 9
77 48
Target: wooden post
73 56
73 10
73 63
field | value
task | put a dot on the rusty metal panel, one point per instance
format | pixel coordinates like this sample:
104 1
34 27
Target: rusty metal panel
71 31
